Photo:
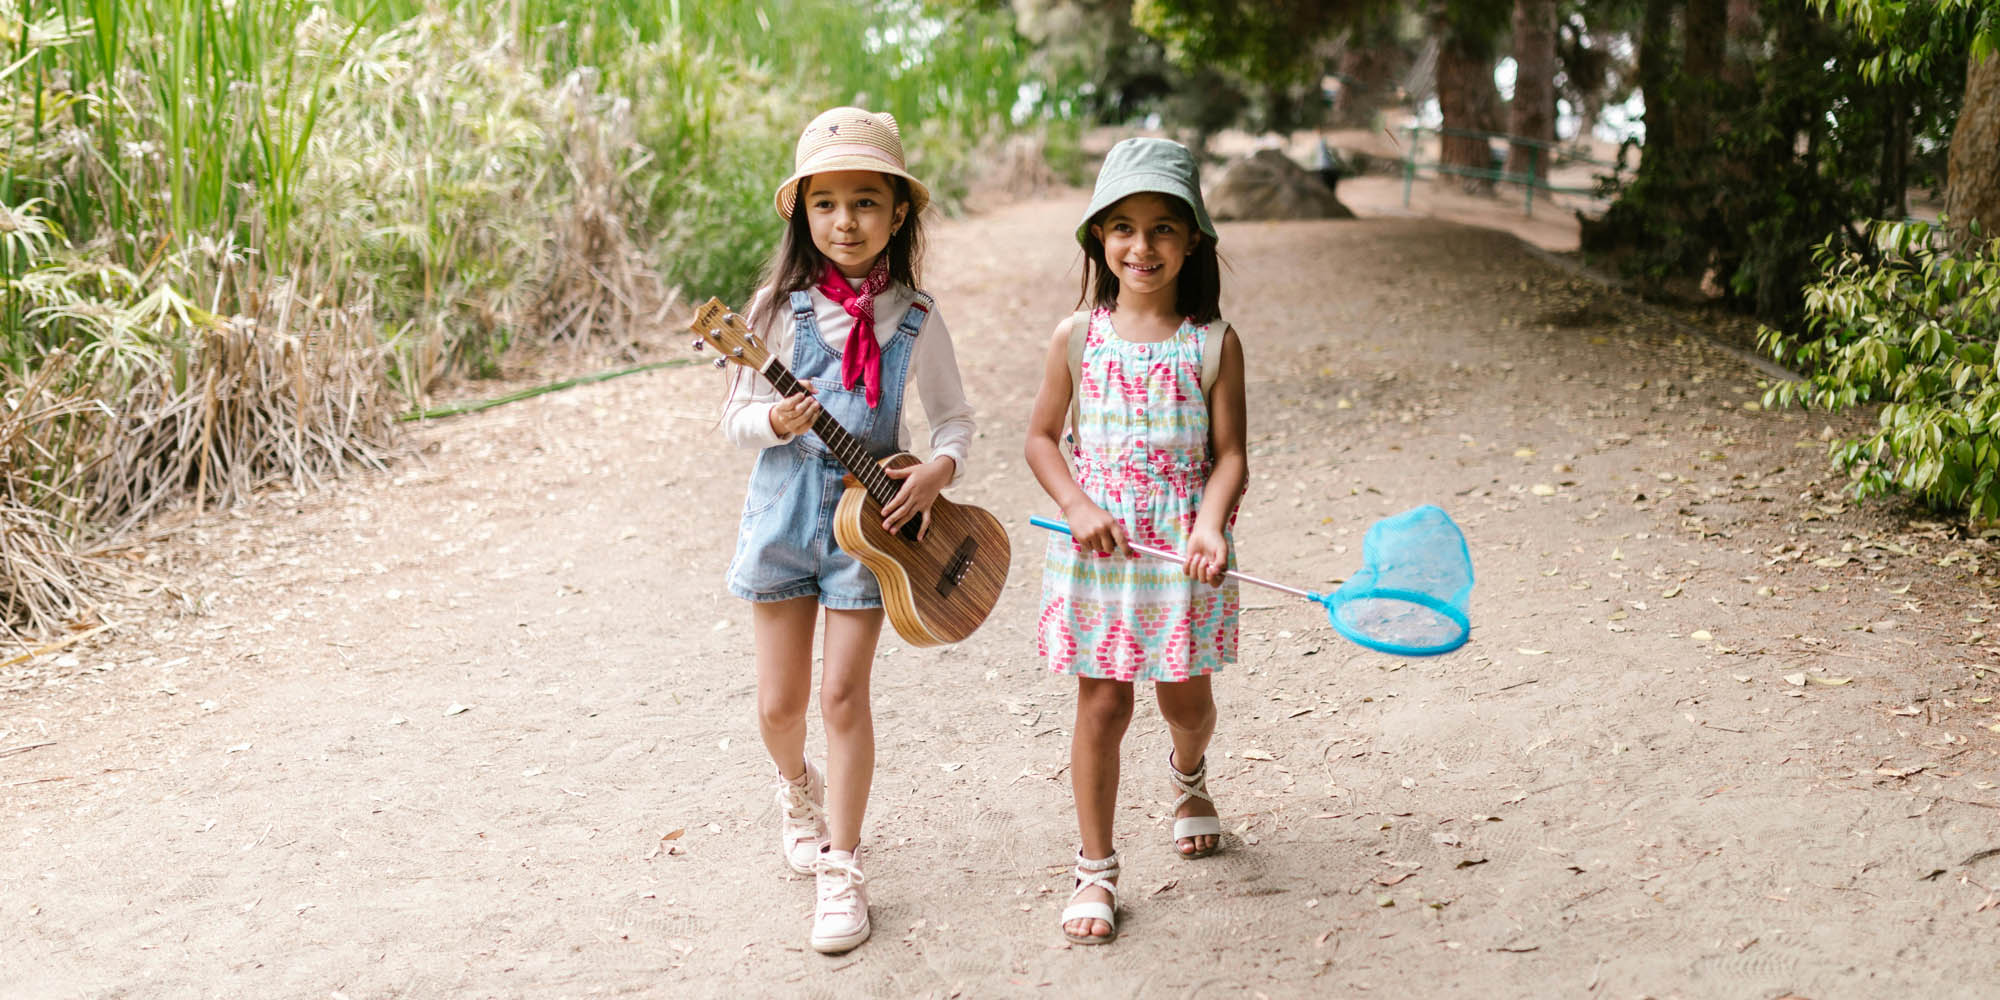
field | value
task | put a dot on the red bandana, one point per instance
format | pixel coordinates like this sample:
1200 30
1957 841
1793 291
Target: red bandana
861 360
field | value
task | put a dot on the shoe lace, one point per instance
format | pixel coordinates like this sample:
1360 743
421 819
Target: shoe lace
838 875
799 808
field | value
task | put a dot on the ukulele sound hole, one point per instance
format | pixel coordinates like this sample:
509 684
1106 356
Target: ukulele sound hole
955 568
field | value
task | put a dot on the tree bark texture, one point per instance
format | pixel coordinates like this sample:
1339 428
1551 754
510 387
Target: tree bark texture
1370 82
1533 114
1972 184
1704 34
1656 39
1468 100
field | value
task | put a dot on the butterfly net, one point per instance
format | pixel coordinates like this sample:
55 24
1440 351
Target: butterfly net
1414 589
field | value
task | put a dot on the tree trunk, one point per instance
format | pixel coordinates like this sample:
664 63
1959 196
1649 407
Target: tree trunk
1704 32
1467 99
1656 34
1745 33
1533 115
1368 83
1894 198
1972 185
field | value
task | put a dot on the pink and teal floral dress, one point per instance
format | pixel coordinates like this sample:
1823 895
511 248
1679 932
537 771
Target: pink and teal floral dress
1141 453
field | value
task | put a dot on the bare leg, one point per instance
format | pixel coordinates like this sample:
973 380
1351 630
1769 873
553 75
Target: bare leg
850 723
1103 711
1189 708
784 637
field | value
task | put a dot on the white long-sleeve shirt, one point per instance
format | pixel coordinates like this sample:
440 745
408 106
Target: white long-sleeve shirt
933 374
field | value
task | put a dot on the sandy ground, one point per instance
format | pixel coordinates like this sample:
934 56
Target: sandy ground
482 726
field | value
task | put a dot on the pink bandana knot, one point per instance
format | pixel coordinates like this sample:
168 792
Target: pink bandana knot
861 359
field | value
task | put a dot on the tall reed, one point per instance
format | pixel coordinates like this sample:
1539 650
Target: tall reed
237 237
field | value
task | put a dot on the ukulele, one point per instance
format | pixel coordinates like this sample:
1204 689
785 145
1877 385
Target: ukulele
936 590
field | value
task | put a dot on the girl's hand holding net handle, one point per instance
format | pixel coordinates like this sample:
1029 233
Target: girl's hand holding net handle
1175 557
1096 529
1207 556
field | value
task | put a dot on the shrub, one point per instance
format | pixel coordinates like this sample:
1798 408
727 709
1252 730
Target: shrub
1910 326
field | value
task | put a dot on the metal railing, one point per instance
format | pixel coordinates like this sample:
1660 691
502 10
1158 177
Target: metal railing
1532 181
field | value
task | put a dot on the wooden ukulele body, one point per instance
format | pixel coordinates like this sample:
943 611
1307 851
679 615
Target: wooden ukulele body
937 590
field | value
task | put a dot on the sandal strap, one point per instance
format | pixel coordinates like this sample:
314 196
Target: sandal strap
1090 911
1095 872
1188 827
1192 785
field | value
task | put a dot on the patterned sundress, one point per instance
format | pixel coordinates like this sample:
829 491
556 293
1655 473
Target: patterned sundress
1141 453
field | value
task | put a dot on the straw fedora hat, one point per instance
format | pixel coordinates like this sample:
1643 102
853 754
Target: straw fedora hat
849 139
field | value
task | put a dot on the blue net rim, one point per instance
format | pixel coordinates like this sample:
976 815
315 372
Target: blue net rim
1418 597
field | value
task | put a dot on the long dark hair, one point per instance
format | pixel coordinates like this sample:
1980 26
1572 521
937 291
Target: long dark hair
797 265
1197 289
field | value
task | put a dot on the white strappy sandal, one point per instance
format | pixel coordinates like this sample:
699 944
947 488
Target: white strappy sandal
1193 786
1097 873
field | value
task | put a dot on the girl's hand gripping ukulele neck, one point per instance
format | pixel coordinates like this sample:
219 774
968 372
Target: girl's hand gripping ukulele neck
937 590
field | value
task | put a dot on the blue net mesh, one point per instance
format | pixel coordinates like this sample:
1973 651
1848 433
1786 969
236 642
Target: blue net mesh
1414 590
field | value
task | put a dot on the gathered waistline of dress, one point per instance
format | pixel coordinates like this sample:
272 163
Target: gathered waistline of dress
1154 467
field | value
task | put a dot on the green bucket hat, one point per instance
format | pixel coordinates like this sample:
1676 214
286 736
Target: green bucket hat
1144 165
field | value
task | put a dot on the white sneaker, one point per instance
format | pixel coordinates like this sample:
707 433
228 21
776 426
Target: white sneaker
803 830
841 920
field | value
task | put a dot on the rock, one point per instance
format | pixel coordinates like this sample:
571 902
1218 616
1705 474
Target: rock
1268 185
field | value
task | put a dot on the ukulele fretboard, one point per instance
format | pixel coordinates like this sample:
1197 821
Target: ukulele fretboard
852 455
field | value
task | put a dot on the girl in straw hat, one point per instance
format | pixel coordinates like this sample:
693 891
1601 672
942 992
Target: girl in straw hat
1150 380
841 307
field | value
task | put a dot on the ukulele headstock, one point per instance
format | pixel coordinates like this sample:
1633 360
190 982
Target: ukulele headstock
718 326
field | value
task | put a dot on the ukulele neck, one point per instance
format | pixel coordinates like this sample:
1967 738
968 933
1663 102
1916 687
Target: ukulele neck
844 446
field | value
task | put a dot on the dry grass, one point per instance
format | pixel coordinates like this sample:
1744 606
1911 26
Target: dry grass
290 396
42 577
601 287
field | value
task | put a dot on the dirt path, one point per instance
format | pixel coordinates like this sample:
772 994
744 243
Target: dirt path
423 735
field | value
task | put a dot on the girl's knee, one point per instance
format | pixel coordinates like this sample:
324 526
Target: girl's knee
1187 709
1104 703
780 711
842 703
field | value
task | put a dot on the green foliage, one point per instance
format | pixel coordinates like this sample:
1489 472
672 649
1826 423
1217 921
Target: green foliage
1269 43
1914 330
235 235
1917 36
1798 148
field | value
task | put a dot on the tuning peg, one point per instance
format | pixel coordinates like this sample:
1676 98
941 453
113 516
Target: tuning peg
730 318
721 362
699 343
737 352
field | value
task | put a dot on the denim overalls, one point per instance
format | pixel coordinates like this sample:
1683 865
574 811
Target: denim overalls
785 547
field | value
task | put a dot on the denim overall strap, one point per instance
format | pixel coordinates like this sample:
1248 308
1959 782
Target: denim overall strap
878 427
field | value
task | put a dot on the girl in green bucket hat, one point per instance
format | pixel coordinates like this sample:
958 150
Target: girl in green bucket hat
1149 380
